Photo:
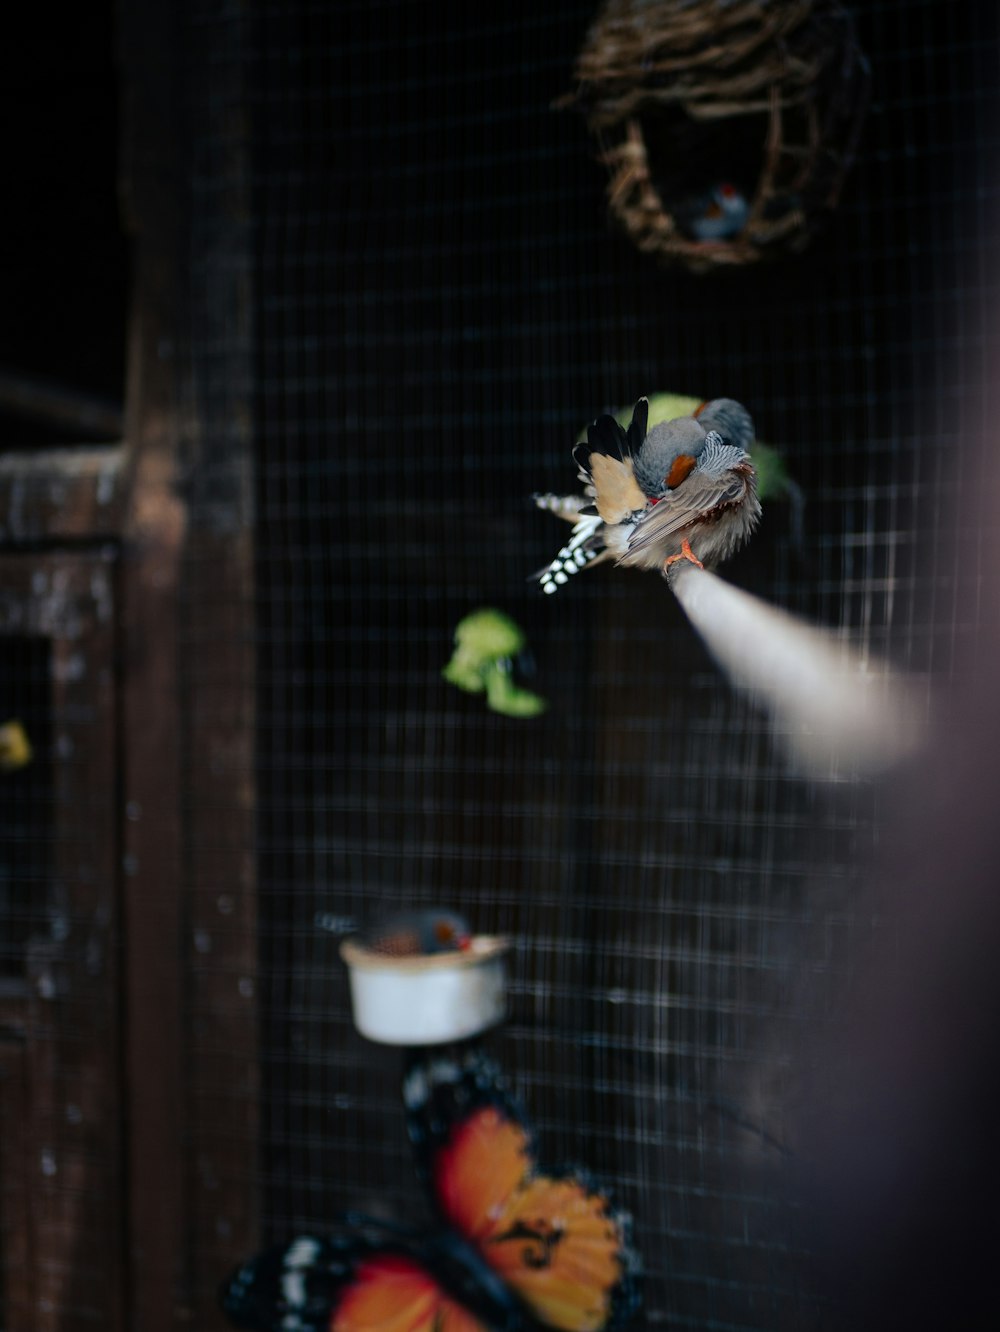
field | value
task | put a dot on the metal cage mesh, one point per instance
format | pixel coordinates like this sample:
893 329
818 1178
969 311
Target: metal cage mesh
439 305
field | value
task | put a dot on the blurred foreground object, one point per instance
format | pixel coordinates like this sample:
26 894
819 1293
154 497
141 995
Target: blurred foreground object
487 643
15 747
897 1132
511 1248
655 497
684 94
836 714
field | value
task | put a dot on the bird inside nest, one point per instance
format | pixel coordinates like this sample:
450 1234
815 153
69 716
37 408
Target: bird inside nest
685 491
720 213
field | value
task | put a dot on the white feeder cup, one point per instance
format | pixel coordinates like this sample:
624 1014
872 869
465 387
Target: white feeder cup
430 999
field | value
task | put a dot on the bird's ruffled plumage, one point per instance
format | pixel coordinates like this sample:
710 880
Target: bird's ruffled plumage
690 480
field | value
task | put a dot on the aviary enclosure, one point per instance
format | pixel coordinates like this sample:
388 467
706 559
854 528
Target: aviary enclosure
303 302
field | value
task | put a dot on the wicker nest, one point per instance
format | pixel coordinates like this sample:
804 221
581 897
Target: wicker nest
767 96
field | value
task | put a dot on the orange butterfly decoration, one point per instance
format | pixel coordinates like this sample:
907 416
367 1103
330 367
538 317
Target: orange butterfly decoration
519 1248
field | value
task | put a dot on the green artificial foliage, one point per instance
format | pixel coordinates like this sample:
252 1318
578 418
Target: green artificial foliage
486 643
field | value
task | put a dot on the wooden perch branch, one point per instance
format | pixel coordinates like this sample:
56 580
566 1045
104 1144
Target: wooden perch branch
836 713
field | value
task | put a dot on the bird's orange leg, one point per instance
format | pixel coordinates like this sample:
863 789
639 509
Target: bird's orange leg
686 553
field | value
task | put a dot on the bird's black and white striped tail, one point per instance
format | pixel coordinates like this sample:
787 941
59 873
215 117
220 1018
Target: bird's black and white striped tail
583 547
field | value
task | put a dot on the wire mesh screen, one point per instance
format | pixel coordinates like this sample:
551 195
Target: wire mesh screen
440 305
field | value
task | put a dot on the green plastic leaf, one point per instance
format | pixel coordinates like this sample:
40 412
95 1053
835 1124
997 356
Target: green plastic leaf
504 696
486 642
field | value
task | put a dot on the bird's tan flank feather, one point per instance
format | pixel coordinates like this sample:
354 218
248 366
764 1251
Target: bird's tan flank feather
617 493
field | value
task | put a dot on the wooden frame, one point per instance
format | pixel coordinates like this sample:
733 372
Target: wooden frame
161 1048
61 1090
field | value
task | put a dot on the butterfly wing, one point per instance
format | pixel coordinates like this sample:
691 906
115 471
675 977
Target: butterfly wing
555 1240
392 1293
552 1239
342 1285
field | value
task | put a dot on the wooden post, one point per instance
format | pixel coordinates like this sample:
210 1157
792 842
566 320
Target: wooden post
188 675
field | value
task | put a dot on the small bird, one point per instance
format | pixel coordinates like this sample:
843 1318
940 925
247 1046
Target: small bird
719 214
419 933
649 497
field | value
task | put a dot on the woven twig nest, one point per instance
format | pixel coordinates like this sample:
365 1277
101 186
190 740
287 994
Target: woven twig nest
763 98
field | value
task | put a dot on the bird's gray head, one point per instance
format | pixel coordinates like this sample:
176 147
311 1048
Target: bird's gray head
731 419
668 453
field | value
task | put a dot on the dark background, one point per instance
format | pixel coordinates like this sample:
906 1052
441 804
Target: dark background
436 303
442 304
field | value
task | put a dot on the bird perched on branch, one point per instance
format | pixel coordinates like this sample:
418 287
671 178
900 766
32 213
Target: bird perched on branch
685 491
